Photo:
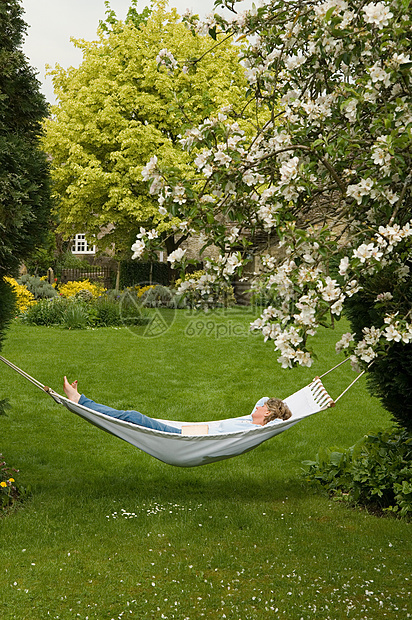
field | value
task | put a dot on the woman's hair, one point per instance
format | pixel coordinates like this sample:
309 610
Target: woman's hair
277 410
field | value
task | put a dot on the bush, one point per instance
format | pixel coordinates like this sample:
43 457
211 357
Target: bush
83 295
159 297
10 490
73 288
390 376
204 292
376 471
24 299
106 312
75 313
7 306
70 313
46 312
41 289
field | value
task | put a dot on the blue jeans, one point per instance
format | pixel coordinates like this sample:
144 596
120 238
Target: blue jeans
128 416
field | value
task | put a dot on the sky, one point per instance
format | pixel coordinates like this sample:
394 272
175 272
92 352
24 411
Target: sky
52 23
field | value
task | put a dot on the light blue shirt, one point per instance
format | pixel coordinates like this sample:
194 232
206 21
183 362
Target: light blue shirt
233 425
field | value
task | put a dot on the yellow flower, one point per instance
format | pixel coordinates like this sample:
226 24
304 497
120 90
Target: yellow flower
3 484
142 289
11 480
25 299
71 288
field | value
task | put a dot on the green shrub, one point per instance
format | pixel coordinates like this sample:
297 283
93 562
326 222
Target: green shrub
83 295
59 311
46 312
107 312
8 307
376 471
159 297
77 315
41 289
131 310
390 376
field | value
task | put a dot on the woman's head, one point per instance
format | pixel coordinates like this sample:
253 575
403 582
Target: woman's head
277 409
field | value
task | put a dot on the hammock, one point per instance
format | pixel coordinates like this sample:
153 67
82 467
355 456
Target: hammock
194 450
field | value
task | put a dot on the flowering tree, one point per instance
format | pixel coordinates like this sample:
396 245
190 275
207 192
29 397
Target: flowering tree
326 175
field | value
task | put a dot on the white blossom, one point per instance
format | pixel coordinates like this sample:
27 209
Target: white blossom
234 235
221 157
166 58
392 333
363 252
378 74
201 159
351 288
357 191
289 170
365 353
400 59
371 335
176 256
317 98
179 194
295 61
138 248
384 296
303 358
344 342
232 262
149 168
329 289
343 265
377 13
350 109
208 170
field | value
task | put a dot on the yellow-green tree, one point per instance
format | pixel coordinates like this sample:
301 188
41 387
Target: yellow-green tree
122 104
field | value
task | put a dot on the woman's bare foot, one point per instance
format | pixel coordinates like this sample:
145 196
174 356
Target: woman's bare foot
70 389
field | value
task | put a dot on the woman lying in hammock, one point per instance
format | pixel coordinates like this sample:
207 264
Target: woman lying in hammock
266 410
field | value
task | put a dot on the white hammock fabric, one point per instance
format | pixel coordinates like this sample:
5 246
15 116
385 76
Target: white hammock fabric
194 450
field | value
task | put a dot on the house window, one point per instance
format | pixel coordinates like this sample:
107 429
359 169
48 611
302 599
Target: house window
80 245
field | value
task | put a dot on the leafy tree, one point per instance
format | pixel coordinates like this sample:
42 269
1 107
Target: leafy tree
122 103
335 77
24 182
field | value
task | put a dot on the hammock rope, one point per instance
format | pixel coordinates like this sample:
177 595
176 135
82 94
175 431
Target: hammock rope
351 384
193 450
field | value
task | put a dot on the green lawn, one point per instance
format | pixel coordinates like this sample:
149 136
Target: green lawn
110 532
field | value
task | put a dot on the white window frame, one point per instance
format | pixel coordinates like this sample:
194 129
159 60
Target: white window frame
80 245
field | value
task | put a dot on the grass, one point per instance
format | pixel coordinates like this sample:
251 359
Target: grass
110 532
